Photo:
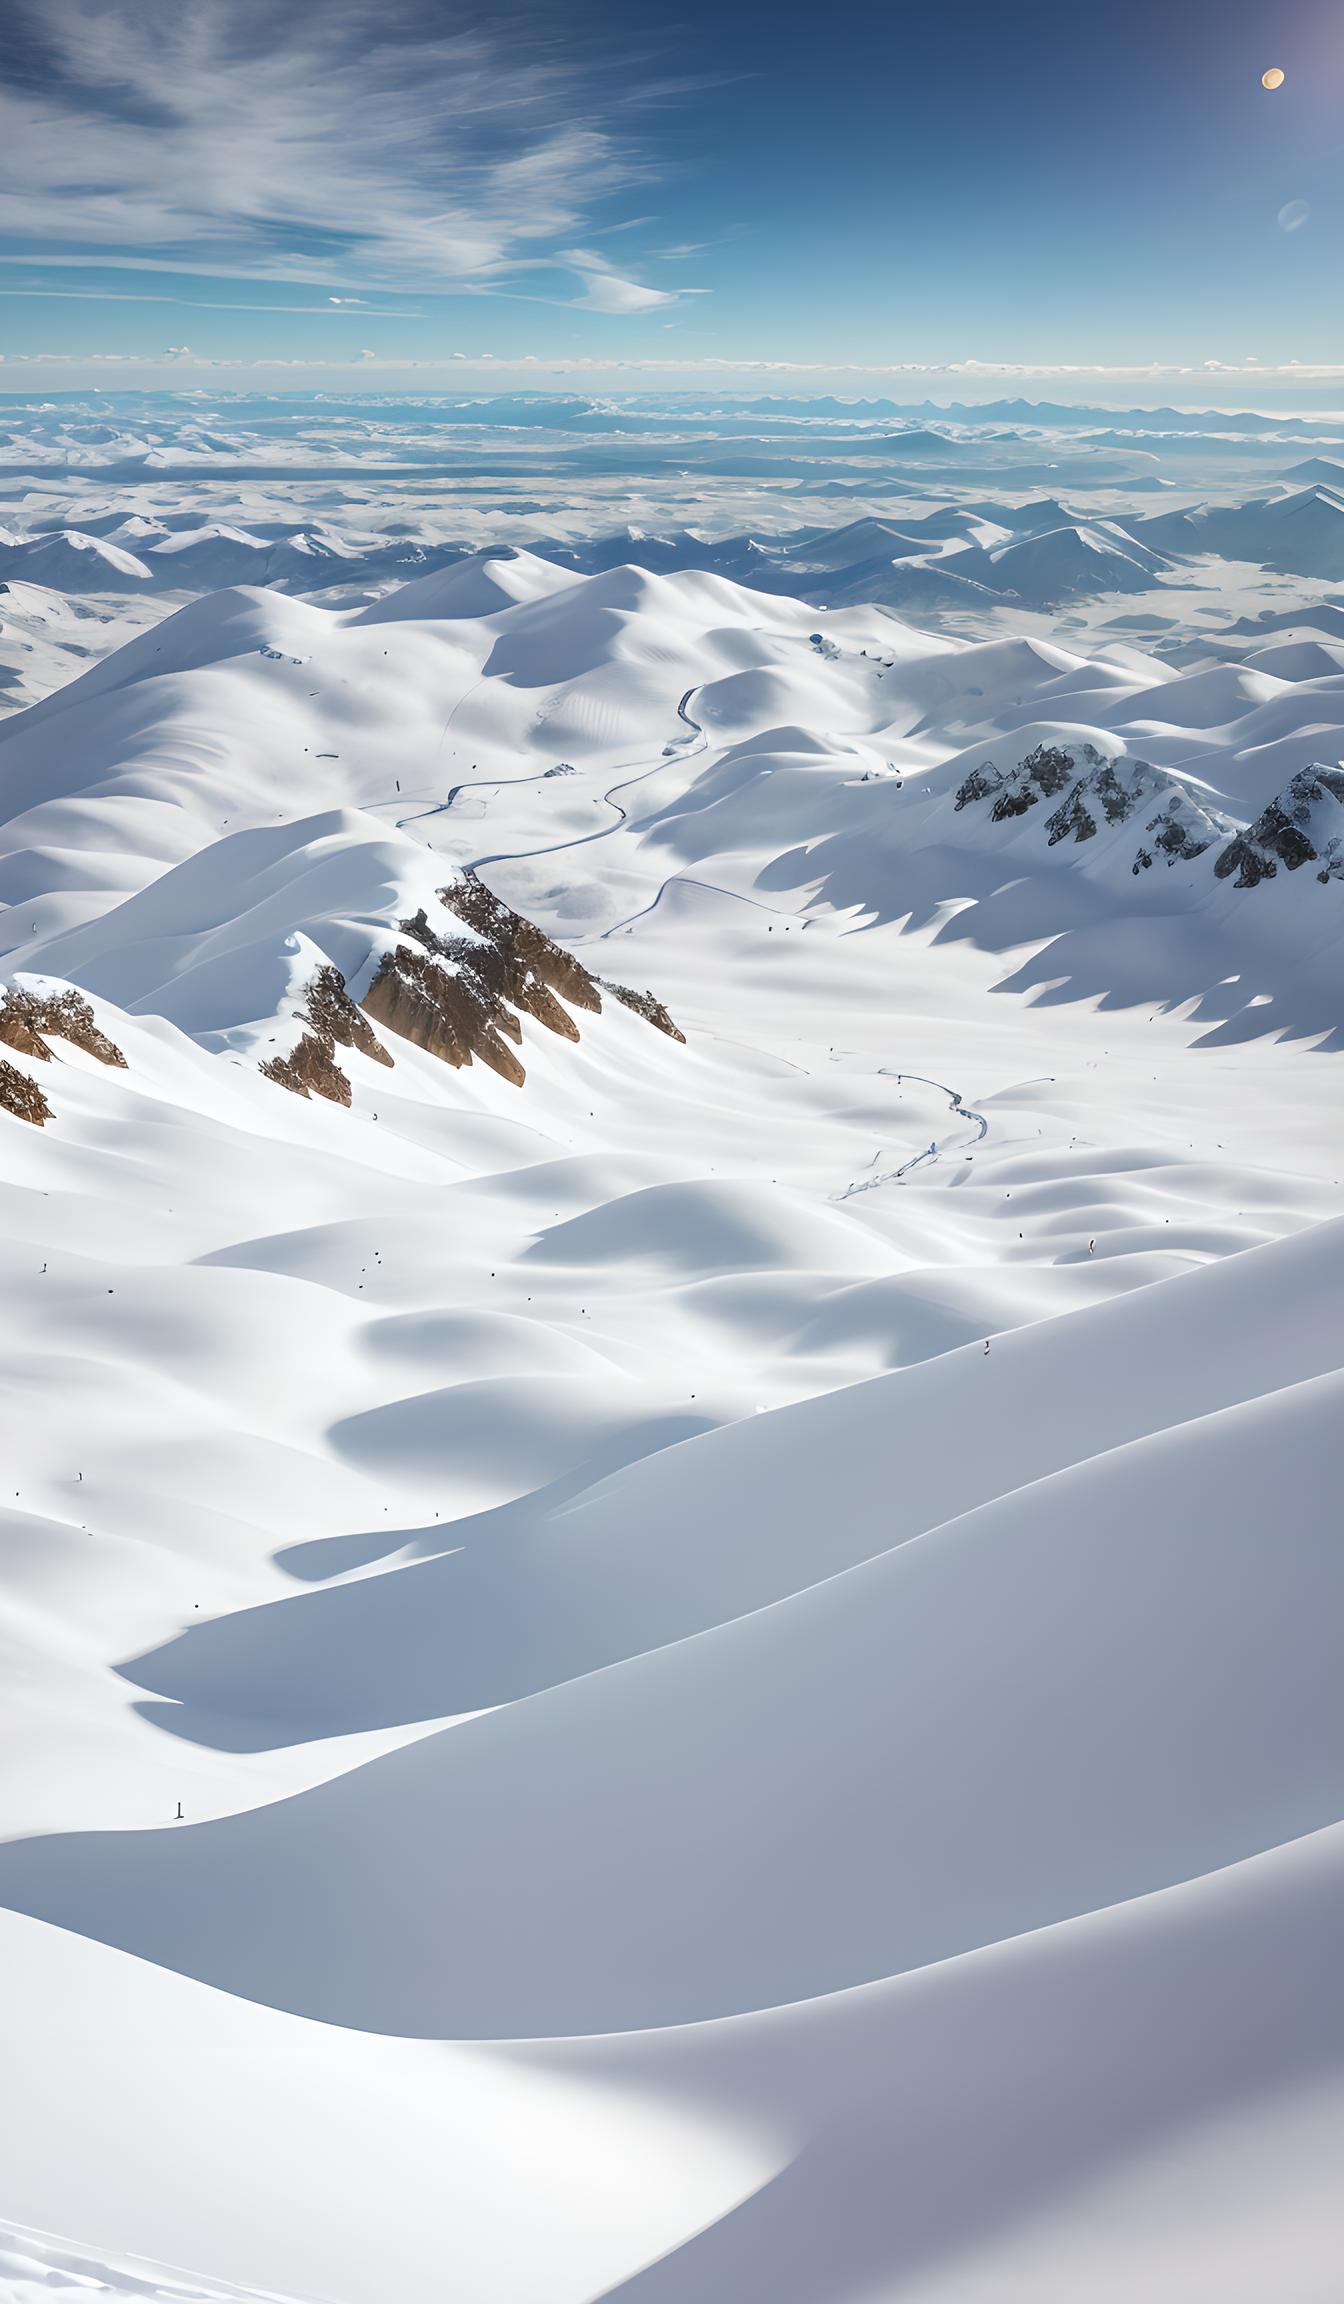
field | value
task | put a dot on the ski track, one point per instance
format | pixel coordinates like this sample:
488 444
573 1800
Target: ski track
936 1151
604 832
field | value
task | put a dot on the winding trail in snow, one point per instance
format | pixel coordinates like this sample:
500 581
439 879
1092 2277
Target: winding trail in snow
935 1150
695 742
711 887
609 800
481 784
539 776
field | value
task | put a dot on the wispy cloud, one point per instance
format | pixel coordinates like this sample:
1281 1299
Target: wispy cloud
353 144
607 291
333 306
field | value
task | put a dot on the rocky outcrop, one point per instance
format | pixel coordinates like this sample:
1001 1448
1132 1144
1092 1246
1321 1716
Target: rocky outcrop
646 1006
335 1018
333 1021
461 995
310 1069
426 994
1304 825
1180 831
22 1096
1073 818
1118 786
528 961
1097 793
978 785
458 989
1041 775
28 1020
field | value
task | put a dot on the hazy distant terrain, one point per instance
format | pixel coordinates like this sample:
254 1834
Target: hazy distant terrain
1161 526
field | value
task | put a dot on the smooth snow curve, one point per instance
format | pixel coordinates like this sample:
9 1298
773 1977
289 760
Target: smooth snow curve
670 1541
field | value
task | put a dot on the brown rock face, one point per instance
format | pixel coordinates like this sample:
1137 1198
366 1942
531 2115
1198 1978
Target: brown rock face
530 960
443 1006
333 1021
458 996
310 1070
646 1006
22 1096
29 1019
334 1016
461 996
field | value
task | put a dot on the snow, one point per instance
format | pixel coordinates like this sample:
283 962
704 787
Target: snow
72 561
712 1676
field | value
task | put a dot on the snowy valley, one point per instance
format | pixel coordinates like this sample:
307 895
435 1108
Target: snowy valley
673 1233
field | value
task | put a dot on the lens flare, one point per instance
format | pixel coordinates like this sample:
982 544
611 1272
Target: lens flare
1273 78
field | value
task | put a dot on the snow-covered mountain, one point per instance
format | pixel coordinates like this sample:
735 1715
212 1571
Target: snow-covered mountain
1049 565
1301 531
672 1385
66 560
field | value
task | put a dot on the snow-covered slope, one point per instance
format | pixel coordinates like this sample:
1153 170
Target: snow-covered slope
1052 564
1302 530
71 562
672 1388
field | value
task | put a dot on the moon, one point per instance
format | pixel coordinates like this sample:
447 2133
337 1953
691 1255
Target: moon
1273 78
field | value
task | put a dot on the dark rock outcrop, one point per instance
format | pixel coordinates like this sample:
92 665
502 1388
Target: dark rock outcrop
1072 816
978 785
1042 775
1014 800
1119 794
1095 789
1180 831
22 1096
530 960
646 1006
1295 829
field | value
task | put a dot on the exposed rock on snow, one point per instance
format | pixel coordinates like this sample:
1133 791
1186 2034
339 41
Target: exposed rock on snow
1304 825
310 1069
527 963
644 1004
21 1096
1042 774
29 1018
424 992
461 996
332 1020
1108 792
333 1016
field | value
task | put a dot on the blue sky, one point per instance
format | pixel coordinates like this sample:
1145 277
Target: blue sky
1069 197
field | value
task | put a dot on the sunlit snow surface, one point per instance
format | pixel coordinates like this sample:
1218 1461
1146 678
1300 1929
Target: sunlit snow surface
745 1634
